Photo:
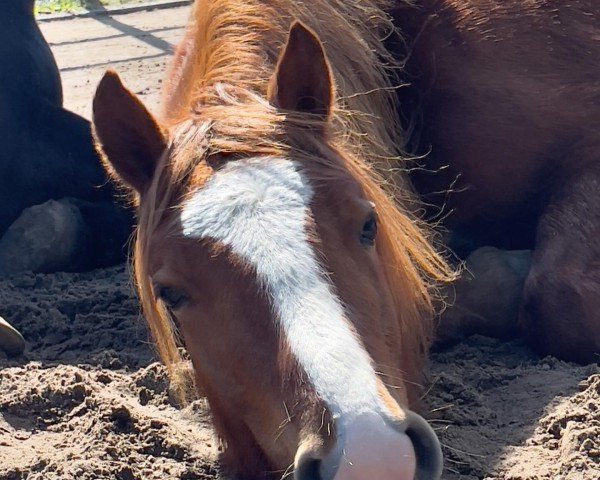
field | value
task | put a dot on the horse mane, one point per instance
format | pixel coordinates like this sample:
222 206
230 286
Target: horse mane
214 104
238 42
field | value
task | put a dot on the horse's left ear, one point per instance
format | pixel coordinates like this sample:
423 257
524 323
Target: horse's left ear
302 81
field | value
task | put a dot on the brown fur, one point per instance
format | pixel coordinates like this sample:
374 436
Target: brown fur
226 30
509 105
238 43
216 111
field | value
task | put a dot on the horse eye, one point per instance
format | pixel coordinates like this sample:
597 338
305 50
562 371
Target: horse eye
369 231
173 298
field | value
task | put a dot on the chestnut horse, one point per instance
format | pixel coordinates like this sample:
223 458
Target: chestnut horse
265 240
508 94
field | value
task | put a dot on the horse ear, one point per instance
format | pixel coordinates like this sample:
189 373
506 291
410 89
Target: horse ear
302 81
127 134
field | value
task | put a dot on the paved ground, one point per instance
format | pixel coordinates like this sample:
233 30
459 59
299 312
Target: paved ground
137 45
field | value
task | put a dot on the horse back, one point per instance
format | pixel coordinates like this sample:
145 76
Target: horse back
29 75
508 99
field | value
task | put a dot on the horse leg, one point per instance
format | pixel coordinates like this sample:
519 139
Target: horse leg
50 155
485 299
560 310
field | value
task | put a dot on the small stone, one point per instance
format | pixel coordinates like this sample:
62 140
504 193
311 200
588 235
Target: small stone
156 424
587 445
144 396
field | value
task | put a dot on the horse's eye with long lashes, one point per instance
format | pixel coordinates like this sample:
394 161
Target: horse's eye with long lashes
369 231
173 298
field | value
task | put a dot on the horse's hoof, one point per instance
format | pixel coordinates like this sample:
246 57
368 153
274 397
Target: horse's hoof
11 341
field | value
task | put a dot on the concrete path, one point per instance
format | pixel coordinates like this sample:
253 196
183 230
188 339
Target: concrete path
137 45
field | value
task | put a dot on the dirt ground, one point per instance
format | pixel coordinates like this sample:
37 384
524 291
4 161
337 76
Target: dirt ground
89 401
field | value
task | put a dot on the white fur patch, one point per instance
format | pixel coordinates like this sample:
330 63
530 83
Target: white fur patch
259 208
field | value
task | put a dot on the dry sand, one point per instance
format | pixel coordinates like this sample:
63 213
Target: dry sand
89 401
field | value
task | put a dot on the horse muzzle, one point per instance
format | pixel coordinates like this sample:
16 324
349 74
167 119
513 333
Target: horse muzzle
370 447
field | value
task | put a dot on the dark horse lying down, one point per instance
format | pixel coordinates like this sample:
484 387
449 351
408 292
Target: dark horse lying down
509 99
47 151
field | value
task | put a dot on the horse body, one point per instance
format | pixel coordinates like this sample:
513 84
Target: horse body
300 289
47 151
510 105
34 66
509 99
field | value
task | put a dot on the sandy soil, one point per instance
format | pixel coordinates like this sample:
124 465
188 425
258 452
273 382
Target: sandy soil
89 401
503 413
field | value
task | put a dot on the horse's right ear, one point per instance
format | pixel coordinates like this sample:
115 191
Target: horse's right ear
126 133
302 81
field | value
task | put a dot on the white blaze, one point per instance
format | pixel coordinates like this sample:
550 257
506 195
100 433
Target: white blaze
259 208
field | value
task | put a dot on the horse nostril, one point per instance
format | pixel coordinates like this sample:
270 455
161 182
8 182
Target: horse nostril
308 461
308 469
427 447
